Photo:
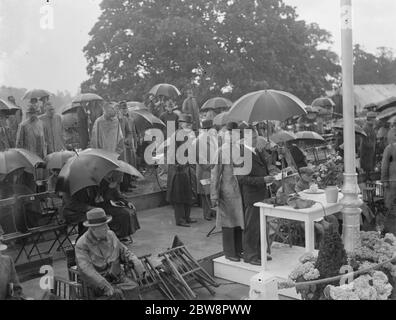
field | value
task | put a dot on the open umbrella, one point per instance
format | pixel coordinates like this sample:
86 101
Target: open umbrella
13 159
283 136
387 113
8 108
144 120
87 97
71 107
136 105
392 119
385 104
310 136
128 169
57 160
217 103
339 125
266 105
82 171
221 119
323 102
36 94
165 89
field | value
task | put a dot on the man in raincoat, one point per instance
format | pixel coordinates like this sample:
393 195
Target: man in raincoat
99 255
367 145
107 132
190 106
30 134
14 121
5 133
53 129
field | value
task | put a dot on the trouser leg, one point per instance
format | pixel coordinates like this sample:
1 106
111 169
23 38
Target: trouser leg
238 233
187 212
251 234
207 211
229 243
179 213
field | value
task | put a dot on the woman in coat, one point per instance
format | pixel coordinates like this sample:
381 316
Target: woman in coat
125 222
388 177
226 195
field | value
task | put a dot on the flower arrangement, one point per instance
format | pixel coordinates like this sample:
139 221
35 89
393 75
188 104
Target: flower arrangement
374 284
330 173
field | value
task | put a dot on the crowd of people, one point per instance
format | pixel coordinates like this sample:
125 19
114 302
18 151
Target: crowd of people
103 213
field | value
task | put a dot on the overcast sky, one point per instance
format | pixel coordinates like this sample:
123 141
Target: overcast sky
31 57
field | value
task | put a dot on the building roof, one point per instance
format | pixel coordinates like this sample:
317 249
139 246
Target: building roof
372 93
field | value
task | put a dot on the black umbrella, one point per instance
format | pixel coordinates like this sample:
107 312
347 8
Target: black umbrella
385 104
144 120
8 108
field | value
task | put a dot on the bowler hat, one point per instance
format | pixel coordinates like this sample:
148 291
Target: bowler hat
96 217
185 118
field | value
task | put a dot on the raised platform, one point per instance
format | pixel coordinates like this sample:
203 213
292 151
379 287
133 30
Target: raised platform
284 259
148 194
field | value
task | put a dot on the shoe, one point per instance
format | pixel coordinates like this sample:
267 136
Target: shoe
233 259
133 187
208 219
183 224
192 221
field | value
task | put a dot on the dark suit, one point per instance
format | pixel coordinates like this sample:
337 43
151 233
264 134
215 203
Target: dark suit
254 189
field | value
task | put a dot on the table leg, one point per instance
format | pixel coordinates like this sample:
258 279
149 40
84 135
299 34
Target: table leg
309 236
263 239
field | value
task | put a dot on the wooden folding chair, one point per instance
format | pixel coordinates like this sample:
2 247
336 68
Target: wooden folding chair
40 231
15 236
67 290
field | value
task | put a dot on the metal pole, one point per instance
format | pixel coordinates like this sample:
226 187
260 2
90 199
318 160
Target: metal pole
351 203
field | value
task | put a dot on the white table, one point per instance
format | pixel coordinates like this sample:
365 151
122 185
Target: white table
308 216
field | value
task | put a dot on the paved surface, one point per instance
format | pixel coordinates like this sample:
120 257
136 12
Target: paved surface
156 235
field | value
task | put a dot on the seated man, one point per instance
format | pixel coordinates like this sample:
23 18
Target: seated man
10 288
99 255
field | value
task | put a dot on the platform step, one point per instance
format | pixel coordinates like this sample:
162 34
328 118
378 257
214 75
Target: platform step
284 259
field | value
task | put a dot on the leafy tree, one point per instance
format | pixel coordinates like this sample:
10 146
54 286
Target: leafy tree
240 45
374 69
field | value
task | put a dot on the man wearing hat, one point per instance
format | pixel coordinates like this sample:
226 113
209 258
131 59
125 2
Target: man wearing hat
99 255
169 117
190 106
53 129
367 145
129 131
10 288
30 134
181 177
14 120
206 139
